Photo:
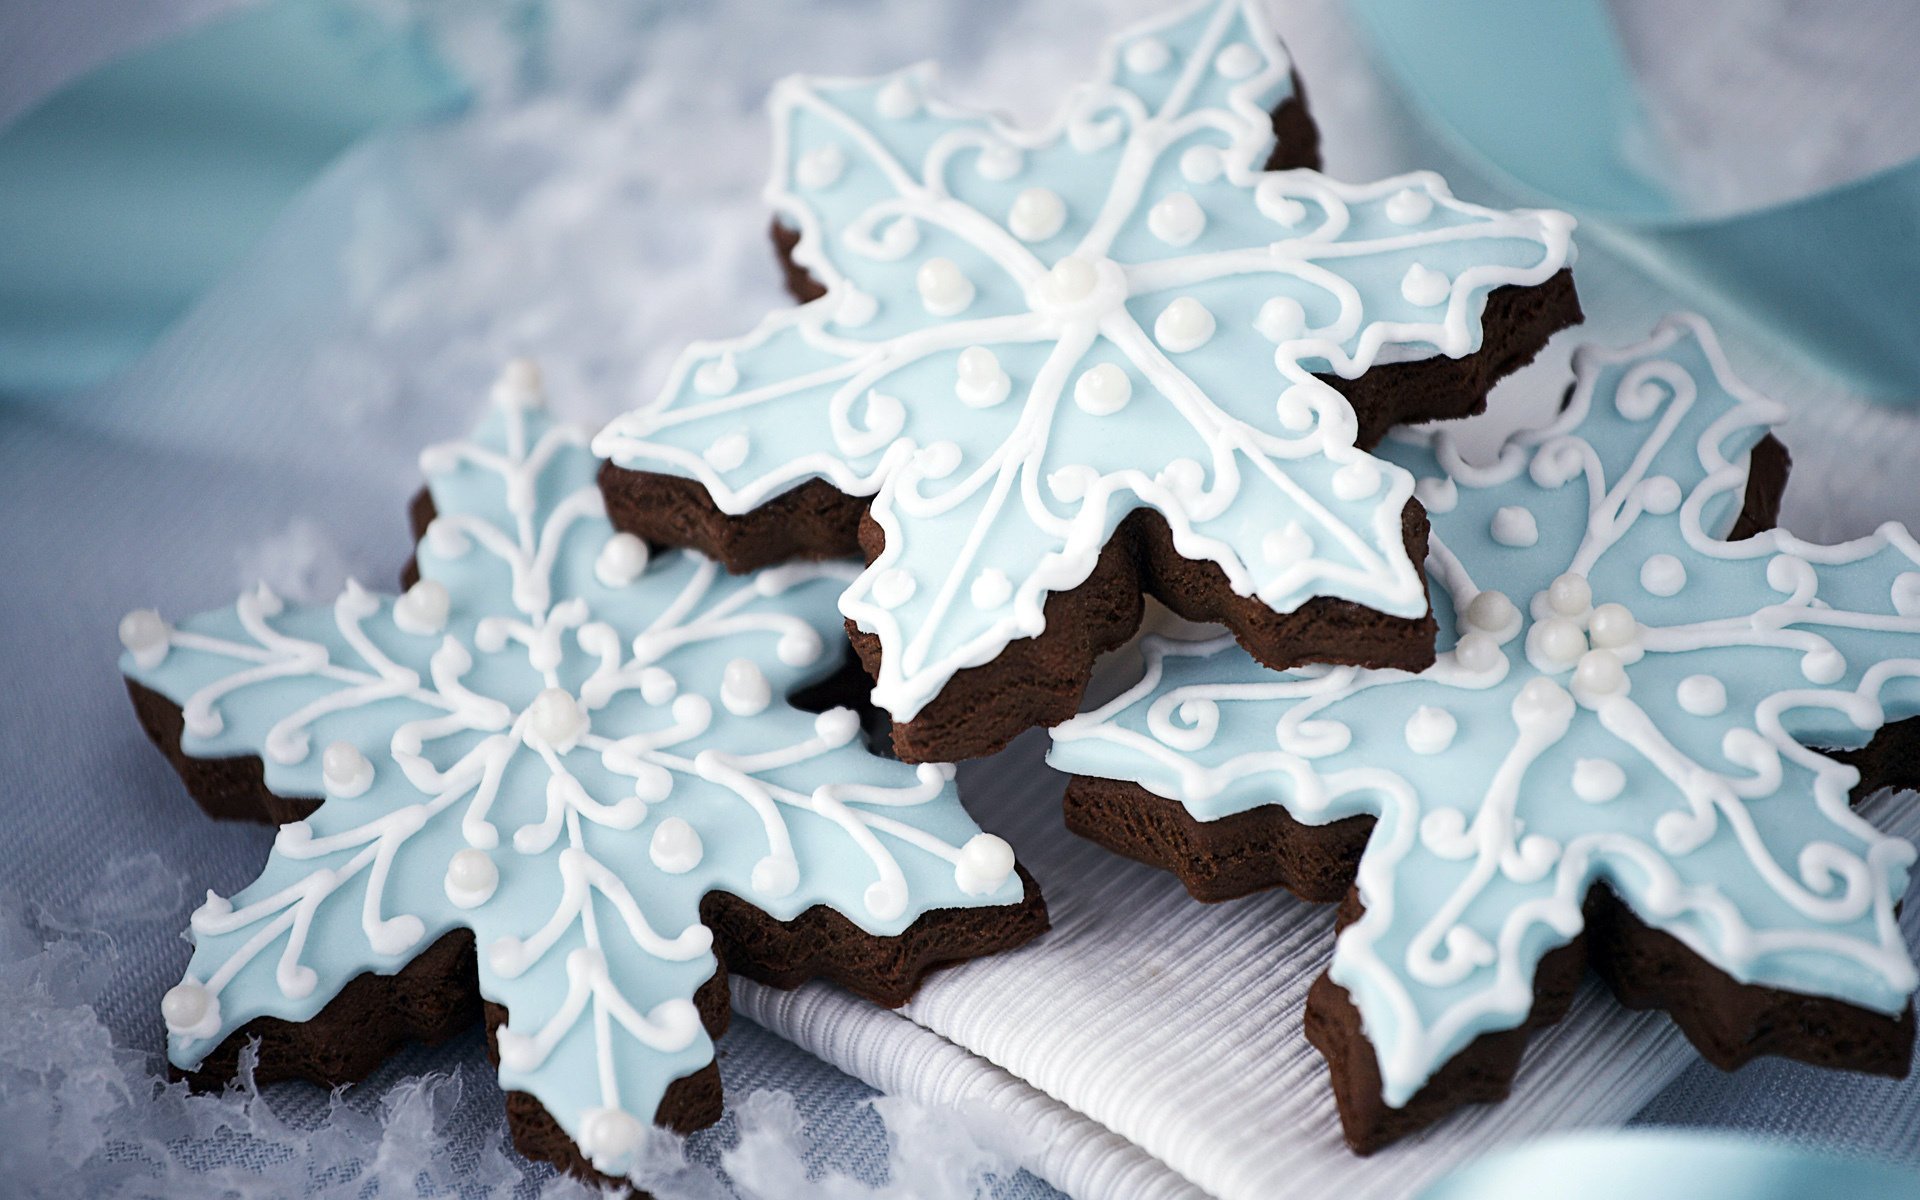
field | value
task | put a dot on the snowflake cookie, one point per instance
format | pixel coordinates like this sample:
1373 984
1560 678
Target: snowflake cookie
1638 746
564 773
1056 367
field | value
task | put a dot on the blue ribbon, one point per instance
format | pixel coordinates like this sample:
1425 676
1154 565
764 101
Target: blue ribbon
1671 1165
130 191
1541 92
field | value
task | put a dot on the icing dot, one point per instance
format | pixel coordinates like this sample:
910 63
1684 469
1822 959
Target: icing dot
1598 780
1183 325
1294 408
1177 220
1701 695
1570 595
837 726
991 588
1271 198
1430 730
1477 652
893 587
1070 484
657 685
743 689
1542 697
1444 831
609 1137
979 381
944 290
675 846
820 167
422 609
885 898
1906 595
775 875
1612 626
1148 56
1823 665
1281 318
518 386
1557 642
1492 611
985 862
1103 390
1599 674
854 309
620 561
1679 833
1286 545
445 539
1200 164
344 771
896 101
189 1007
1409 206
1037 214
1357 480
938 460
1183 477
1514 526
556 718
1663 575
1660 495
1237 61
144 633
472 878
1436 494
728 451
716 376
1639 403
999 162
1424 286
1072 279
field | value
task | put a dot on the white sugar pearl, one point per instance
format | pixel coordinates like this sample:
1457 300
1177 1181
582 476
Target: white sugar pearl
820 167
1037 214
1559 641
1570 595
1148 56
1237 61
1409 206
984 864
472 878
1599 673
620 561
1281 319
1514 526
1492 611
1103 390
1356 481
344 771
1177 220
893 587
1430 730
422 609
556 718
1424 286
896 101
979 380
990 589
675 847
1597 780
1477 652
944 288
1183 325
518 386
743 689
187 1006
1663 575
1612 626
1701 695
144 633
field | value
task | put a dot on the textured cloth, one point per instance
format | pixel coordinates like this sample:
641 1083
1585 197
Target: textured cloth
1150 1046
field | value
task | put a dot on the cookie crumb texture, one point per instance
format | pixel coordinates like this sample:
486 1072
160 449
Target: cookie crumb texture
1628 755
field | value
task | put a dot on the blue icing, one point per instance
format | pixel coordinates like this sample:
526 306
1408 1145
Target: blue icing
1555 744
689 769
977 273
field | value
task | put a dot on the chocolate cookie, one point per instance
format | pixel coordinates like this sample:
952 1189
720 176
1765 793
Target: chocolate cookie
1637 748
558 781
1040 373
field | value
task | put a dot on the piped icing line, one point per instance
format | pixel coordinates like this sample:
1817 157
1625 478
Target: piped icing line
562 764
1657 739
1029 333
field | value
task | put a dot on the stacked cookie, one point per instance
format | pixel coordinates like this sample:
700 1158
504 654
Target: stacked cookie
1514 718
